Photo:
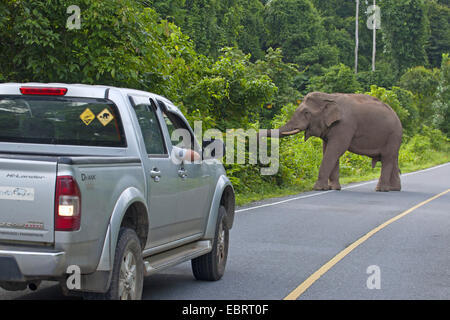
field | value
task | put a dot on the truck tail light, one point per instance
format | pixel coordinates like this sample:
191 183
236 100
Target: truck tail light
42 91
67 204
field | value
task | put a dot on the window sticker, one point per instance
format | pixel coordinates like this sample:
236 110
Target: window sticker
105 117
87 116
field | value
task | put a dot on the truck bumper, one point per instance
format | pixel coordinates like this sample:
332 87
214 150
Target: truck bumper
19 266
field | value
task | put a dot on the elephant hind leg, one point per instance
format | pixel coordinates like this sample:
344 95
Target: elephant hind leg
395 183
374 161
387 167
390 173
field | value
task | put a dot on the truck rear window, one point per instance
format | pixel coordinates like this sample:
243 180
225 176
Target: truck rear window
58 120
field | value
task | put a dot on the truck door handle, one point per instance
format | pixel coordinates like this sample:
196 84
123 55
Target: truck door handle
155 174
182 173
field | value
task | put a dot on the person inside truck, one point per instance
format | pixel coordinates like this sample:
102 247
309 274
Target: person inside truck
183 151
185 154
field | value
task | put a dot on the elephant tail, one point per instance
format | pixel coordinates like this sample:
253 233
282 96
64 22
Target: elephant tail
374 161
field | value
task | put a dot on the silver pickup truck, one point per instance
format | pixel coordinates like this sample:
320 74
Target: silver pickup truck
91 196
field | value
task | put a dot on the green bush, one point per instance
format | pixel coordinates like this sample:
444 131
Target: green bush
422 82
354 165
383 76
408 102
438 141
441 105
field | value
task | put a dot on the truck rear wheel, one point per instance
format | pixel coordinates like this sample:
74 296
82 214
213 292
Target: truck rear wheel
211 266
128 272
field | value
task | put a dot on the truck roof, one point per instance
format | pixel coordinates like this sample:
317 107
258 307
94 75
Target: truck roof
83 90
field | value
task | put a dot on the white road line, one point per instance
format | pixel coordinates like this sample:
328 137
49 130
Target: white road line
287 200
344 188
425 170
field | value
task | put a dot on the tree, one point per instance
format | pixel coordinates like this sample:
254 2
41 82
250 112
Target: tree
441 106
339 78
284 75
172 10
439 42
317 58
357 36
253 34
408 101
214 24
232 91
339 21
422 82
406 31
444 2
201 25
383 76
336 8
293 26
116 44
119 43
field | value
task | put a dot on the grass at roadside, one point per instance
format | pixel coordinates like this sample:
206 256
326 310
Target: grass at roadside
274 192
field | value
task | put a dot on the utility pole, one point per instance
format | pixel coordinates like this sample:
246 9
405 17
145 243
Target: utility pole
374 23
374 51
357 36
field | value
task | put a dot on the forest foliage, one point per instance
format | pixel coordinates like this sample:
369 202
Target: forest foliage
246 63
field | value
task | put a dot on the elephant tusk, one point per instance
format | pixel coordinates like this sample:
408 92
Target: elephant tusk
291 132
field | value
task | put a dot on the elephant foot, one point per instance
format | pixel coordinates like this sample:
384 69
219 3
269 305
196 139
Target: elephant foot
334 186
396 185
321 186
380 188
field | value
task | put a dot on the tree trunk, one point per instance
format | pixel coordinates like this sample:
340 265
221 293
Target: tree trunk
374 52
357 36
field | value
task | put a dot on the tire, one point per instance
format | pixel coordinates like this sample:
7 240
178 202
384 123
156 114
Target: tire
211 266
127 279
13 286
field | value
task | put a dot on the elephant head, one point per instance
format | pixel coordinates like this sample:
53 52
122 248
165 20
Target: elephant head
315 115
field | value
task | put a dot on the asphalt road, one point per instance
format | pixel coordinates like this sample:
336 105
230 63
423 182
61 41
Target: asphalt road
278 244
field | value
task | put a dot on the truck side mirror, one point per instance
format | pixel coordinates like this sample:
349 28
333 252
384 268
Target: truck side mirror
213 149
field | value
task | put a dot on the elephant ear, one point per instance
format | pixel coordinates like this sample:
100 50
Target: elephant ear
332 113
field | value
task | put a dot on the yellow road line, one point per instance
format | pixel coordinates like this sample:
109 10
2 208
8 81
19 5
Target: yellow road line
294 295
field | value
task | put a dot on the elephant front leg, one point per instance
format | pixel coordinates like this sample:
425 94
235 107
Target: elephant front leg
333 182
334 178
329 169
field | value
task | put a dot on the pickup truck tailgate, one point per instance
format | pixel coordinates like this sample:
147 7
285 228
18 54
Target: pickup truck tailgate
27 199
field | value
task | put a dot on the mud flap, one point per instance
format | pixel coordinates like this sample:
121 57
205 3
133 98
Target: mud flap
9 270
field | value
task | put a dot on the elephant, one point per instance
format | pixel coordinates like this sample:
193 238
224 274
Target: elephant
358 123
